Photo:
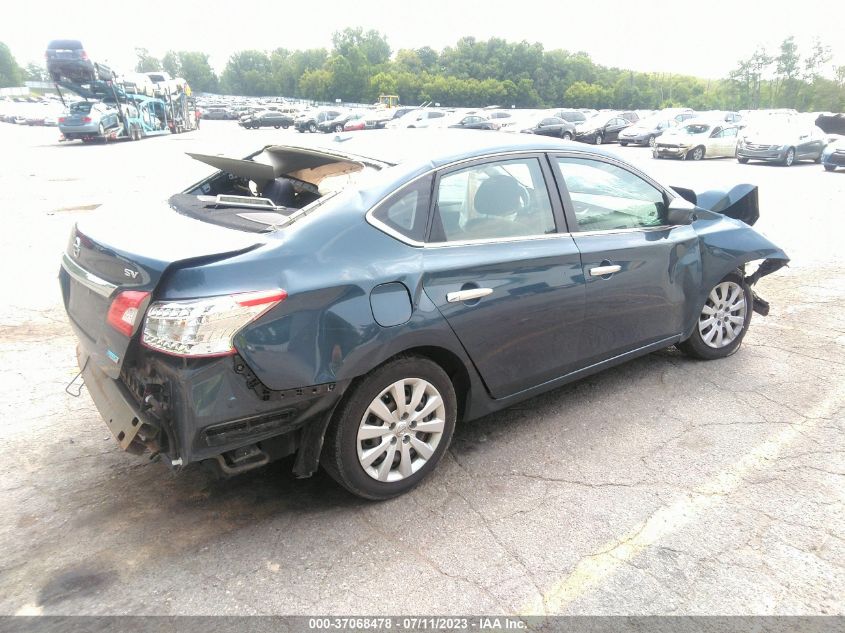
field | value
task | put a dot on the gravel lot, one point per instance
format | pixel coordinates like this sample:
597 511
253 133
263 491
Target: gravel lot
665 486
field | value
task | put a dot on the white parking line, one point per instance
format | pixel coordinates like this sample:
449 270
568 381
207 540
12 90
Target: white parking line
595 568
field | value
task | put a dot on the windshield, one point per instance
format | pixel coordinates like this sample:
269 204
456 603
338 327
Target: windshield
694 128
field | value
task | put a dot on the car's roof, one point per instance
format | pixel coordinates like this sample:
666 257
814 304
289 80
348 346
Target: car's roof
434 146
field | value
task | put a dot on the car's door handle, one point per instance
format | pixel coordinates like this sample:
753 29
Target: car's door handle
601 271
468 295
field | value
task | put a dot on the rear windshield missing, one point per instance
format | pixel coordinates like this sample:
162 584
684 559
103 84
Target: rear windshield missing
82 107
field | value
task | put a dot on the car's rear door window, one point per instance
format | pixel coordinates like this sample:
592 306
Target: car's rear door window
607 197
494 200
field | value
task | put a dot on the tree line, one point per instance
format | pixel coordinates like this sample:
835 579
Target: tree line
360 65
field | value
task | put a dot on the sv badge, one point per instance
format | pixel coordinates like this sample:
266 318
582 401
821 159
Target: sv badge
128 272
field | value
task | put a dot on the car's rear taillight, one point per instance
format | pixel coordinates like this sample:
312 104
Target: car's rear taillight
61 119
123 312
86 119
83 55
204 327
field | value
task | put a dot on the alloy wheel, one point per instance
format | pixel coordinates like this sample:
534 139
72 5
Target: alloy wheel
401 429
651 141
723 315
790 157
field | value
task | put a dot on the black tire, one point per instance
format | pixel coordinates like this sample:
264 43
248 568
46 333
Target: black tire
285 126
566 136
276 127
788 158
818 159
741 160
599 139
300 130
696 346
312 127
830 167
652 140
340 453
697 153
623 143
338 128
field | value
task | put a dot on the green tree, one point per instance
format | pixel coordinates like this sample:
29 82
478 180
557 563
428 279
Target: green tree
786 73
10 72
248 73
193 66
34 72
171 64
146 63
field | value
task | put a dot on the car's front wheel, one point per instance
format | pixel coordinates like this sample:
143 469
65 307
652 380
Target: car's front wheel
392 430
697 153
599 139
723 321
742 160
312 127
789 158
567 136
829 167
651 141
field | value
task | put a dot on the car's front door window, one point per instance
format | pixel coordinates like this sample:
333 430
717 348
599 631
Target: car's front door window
497 200
606 197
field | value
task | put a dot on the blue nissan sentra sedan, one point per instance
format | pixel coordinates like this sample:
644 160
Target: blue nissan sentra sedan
348 299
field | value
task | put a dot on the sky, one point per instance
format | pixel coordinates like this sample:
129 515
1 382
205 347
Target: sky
704 39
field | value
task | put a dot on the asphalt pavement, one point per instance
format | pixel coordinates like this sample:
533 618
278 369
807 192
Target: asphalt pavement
664 486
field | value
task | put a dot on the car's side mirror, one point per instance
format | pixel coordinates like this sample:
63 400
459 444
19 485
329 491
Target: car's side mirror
680 212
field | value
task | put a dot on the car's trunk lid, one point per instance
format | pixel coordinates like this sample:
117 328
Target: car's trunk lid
114 253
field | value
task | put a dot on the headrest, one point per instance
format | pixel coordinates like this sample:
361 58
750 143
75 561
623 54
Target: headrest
499 195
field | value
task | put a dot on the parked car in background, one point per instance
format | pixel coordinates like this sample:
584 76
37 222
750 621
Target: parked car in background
215 113
646 131
603 127
547 126
308 121
88 119
473 122
834 155
782 141
575 117
696 139
419 118
68 58
336 124
356 123
266 118
377 119
631 116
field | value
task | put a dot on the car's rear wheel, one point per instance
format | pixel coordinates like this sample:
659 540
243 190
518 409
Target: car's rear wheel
312 127
338 128
567 136
651 140
789 158
623 143
741 160
723 321
829 167
276 127
599 139
392 430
